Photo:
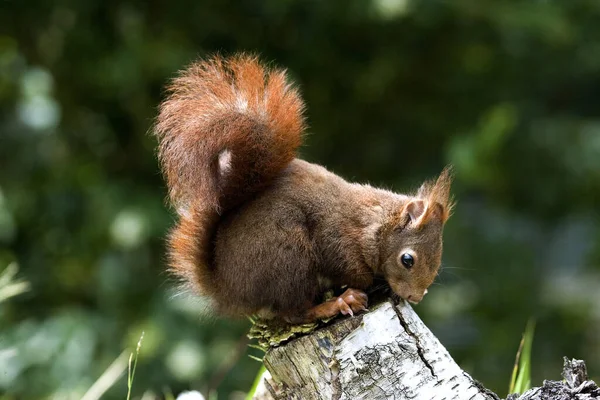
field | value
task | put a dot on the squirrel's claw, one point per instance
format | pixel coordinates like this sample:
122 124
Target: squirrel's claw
352 301
344 307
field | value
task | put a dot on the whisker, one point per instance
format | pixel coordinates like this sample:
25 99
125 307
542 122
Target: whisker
451 274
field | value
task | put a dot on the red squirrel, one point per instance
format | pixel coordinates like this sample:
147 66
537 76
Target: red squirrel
262 232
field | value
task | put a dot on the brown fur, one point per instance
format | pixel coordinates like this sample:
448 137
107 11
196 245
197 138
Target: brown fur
260 231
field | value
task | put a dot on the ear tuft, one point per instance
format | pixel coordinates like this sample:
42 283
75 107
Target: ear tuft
436 195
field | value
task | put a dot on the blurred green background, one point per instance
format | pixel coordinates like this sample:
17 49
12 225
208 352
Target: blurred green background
507 91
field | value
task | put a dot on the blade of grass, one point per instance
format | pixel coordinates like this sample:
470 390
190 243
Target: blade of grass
168 394
8 274
254 346
107 379
13 289
9 285
252 391
513 377
131 371
521 376
524 379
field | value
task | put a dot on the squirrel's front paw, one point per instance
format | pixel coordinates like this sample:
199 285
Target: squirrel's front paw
351 301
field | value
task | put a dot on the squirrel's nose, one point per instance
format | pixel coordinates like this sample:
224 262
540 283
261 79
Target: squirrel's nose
414 299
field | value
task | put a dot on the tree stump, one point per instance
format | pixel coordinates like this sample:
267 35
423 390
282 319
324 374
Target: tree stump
386 353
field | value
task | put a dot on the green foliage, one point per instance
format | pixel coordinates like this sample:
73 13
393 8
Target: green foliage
520 381
507 91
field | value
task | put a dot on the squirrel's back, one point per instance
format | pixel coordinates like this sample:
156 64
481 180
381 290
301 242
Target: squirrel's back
226 129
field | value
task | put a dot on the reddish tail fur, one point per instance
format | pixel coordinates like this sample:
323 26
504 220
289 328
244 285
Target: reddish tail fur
227 128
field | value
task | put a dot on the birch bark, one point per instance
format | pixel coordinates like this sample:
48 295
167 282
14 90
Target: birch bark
387 353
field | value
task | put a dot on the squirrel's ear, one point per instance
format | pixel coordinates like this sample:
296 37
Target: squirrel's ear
415 210
438 201
434 212
421 213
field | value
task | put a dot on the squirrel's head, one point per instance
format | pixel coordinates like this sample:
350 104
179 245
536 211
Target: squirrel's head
412 244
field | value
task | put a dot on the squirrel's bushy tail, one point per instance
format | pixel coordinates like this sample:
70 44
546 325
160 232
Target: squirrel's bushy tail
227 128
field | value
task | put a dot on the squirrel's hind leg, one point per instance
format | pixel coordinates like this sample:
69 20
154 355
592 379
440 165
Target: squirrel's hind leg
348 303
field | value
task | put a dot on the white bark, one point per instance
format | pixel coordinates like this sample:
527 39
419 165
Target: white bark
387 353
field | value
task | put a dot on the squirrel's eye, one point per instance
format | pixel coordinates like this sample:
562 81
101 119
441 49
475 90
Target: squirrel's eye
407 260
